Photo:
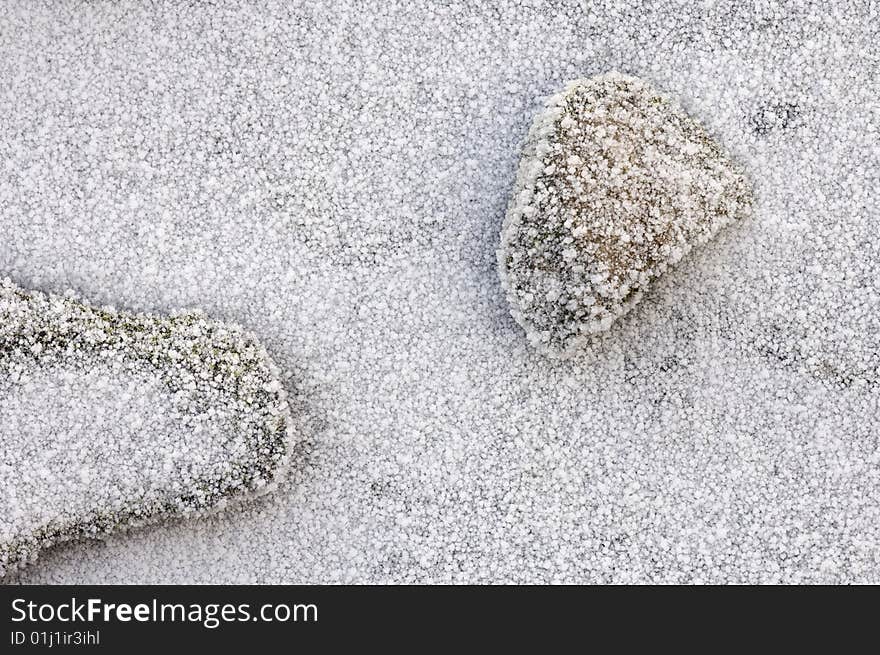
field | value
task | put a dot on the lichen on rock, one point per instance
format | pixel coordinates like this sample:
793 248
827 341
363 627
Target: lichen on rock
616 184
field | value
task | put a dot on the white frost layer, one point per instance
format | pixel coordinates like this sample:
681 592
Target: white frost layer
334 177
77 443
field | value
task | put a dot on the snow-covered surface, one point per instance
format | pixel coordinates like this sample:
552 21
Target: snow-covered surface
72 454
334 176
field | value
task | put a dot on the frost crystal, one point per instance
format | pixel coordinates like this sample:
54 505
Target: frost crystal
616 184
110 419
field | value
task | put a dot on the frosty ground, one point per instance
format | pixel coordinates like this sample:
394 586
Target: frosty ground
334 176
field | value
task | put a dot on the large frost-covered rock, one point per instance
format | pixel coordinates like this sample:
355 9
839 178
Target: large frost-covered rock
110 419
616 184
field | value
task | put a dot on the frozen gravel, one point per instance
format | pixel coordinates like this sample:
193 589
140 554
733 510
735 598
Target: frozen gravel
333 176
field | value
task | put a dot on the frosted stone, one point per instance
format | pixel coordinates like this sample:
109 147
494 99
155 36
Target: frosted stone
616 184
110 419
